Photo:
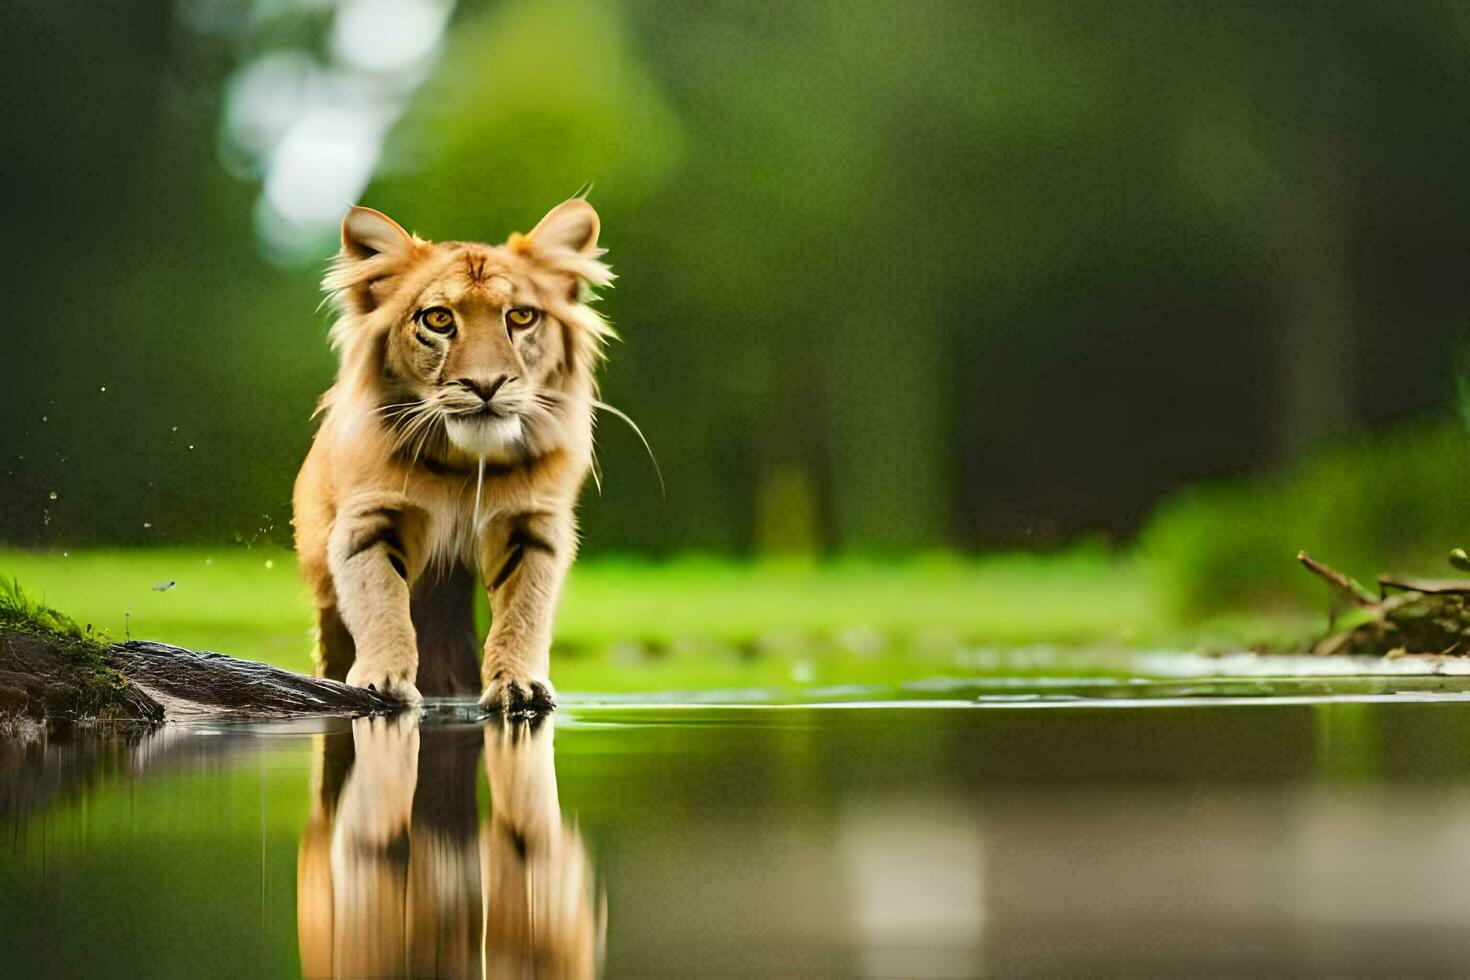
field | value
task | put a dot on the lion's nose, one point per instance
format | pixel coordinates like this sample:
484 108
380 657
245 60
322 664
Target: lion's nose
485 389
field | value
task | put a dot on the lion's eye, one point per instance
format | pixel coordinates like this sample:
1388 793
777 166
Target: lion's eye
521 316
437 319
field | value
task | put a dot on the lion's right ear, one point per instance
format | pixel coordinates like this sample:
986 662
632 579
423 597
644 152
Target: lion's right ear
375 251
366 233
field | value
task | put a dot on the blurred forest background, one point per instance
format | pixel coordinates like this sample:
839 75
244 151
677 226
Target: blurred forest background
895 276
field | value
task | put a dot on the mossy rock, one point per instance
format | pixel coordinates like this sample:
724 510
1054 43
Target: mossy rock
49 679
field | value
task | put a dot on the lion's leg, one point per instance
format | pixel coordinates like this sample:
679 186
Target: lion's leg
443 611
523 566
370 567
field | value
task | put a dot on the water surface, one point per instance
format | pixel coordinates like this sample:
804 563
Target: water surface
1252 825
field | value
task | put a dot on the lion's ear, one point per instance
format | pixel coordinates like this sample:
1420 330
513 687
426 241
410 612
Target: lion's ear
375 252
366 233
571 225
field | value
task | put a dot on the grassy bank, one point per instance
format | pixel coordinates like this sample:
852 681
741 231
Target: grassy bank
55 668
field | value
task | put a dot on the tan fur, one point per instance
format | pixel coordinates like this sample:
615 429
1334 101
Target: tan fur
385 504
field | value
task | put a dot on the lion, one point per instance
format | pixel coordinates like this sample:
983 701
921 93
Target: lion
454 443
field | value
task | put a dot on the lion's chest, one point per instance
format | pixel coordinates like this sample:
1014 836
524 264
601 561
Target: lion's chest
463 520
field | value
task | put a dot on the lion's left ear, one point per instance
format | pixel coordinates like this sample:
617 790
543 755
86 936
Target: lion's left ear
571 225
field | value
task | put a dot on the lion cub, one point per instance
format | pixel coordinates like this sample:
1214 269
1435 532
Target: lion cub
454 442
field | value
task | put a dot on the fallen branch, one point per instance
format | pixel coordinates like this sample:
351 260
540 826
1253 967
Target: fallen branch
1428 586
186 680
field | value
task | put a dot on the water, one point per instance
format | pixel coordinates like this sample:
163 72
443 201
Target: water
1246 826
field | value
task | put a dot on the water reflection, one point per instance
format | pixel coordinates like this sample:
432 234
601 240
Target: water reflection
398 874
1329 838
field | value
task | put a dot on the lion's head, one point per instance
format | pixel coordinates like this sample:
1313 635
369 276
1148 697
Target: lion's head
471 352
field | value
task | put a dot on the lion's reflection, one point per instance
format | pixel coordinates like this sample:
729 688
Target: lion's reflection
398 875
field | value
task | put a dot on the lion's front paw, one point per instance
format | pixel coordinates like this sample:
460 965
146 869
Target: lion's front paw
514 694
390 680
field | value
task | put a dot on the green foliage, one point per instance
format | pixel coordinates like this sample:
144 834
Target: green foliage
1394 501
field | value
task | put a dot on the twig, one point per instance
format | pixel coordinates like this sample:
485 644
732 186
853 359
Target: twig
1359 595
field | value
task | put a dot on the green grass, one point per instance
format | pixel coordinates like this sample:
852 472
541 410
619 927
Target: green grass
687 624
19 611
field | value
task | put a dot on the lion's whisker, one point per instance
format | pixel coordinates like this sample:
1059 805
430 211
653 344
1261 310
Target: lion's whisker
639 432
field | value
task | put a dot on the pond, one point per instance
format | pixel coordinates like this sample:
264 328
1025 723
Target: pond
1261 825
